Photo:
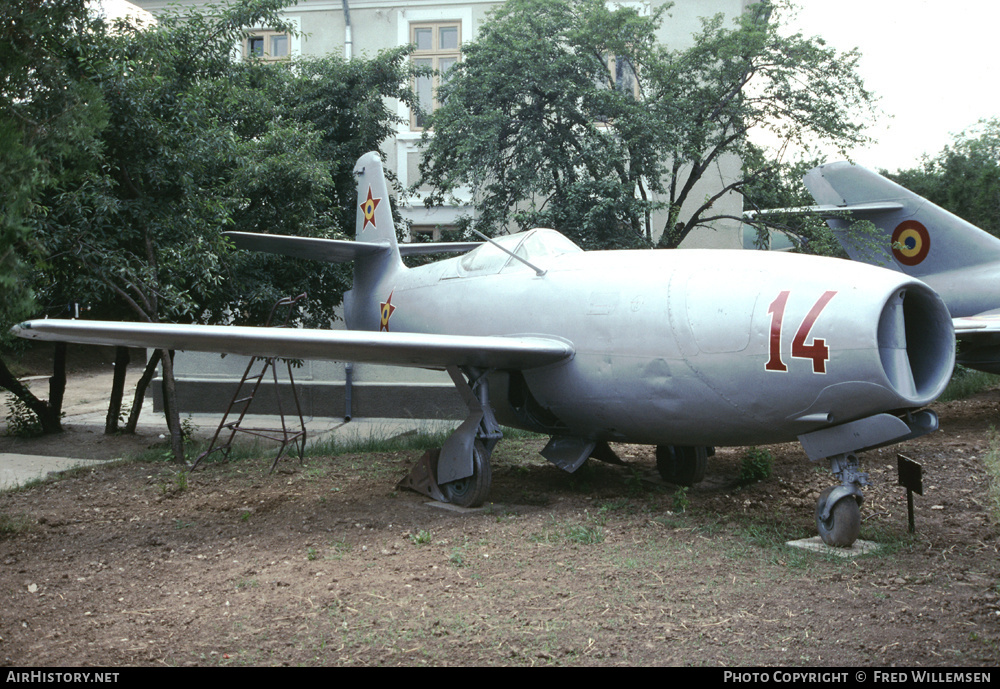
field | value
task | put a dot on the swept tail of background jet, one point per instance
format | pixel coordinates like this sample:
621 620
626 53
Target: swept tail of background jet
957 259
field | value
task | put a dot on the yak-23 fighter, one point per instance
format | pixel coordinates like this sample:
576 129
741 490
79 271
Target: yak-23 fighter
684 350
957 259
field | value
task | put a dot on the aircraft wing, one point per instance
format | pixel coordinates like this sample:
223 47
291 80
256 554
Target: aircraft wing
397 349
979 336
985 322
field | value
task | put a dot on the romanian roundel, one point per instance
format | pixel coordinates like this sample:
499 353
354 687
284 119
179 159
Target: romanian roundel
368 207
910 243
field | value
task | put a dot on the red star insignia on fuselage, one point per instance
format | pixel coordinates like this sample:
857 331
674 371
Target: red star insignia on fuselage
368 208
386 310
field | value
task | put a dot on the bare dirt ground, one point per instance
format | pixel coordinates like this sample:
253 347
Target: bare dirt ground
329 563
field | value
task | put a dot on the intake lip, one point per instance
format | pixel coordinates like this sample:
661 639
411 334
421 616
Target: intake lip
916 343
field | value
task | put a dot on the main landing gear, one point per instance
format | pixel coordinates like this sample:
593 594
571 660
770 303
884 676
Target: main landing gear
459 472
683 465
473 490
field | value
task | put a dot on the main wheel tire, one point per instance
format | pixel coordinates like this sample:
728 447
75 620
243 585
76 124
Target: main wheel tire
843 526
684 465
471 491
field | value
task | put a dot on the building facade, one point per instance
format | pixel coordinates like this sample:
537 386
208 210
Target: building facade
438 29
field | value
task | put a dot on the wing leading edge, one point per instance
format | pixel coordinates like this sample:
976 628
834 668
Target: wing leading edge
985 322
396 349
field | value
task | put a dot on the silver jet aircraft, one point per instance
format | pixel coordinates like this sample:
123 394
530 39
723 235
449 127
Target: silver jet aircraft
684 350
957 259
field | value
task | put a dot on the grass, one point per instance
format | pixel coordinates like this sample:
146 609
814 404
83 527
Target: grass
458 557
13 525
422 537
966 382
28 484
681 501
755 465
588 532
376 441
332 446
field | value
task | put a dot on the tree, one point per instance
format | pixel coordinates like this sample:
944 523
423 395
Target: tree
774 185
197 143
544 132
47 100
964 177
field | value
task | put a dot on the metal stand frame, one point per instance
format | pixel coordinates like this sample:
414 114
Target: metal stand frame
285 435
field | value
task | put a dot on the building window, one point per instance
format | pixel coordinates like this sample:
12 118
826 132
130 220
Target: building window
425 233
621 77
624 75
437 46
267 45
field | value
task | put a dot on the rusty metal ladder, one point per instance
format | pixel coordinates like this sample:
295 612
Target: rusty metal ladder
285 435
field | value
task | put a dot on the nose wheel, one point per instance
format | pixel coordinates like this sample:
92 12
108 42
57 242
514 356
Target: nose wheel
838 510
839 523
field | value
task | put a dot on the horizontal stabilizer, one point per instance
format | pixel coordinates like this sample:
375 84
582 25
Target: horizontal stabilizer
337 250
396 349
311 248
428 248
827 209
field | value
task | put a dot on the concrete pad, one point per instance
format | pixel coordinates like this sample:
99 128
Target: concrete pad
448 507
817 545
16 470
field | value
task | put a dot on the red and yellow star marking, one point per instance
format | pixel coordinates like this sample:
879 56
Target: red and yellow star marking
368 208
386 310
910 243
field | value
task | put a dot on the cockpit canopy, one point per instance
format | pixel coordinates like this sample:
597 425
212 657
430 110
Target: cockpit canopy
534 246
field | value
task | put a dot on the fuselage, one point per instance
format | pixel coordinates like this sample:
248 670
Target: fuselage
970 290
684 347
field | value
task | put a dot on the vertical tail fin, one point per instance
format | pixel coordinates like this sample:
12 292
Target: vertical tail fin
374 275
374 216
921 239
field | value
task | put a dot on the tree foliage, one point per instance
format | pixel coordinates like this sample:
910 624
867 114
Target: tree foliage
50 112
48 116
775 185
570 114
198 143
964 177
180 143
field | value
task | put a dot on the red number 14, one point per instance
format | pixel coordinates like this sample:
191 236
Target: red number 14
815 350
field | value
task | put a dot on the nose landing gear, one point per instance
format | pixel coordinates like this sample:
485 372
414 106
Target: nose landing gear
838 510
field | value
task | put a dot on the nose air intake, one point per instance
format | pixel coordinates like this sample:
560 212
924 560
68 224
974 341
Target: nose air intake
916 343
